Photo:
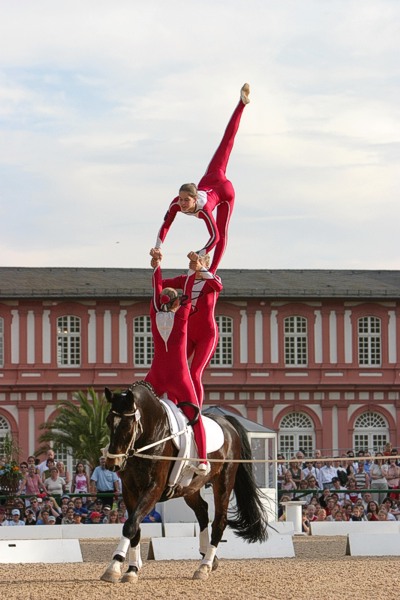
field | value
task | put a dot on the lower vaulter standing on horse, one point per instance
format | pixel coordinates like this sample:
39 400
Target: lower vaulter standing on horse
213 191
202 336
169 372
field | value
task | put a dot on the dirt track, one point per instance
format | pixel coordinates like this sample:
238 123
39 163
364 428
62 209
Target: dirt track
320 571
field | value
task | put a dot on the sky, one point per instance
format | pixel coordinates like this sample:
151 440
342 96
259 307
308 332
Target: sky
108 106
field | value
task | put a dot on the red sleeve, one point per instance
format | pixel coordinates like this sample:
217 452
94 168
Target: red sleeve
157 287
171 213
214 281
178 283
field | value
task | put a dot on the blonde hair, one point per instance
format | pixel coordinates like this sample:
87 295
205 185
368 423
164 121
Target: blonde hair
190 188
172 294
205 260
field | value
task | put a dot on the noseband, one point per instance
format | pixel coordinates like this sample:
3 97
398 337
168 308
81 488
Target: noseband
137 428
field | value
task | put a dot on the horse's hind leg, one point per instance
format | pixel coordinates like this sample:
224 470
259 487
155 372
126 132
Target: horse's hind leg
200 508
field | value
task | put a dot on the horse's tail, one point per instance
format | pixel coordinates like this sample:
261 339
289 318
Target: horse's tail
249 520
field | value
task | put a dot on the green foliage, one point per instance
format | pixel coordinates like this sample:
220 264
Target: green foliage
10 473
80 426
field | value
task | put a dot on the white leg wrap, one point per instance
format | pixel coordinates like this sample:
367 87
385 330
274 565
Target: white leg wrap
123 546
135 559
204 540
209 557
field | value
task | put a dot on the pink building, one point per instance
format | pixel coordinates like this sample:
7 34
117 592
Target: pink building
313 354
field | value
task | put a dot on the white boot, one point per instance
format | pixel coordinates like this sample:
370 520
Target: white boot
203 468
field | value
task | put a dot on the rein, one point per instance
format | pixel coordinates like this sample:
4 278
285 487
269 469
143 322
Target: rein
131 451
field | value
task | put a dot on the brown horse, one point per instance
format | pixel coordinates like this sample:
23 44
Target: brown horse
137 420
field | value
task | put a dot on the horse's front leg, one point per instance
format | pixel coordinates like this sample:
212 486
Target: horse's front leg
113 572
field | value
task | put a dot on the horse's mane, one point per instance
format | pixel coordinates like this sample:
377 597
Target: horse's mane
144 384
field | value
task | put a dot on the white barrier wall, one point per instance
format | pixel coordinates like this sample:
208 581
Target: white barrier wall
346 527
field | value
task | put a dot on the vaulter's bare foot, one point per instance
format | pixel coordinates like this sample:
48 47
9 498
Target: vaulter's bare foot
244 93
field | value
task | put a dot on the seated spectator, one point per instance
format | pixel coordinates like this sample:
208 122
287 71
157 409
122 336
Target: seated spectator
311 484
15 518
281 507
152 517
366 499
372 511
43 517
78 516
52 520
78 505
112 517
305 526
30 518
95 518
309 470
347 509
324 497
334 511
64 509
295 470
34 505
357 514
352 493
330 505
3 517
69 517
339 516
387 504
382 515
321 514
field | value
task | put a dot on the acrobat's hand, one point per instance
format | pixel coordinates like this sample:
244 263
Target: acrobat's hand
193 256
156 253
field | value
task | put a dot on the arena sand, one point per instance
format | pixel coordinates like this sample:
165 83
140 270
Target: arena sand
320 571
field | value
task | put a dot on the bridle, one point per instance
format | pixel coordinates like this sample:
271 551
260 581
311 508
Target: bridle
136 429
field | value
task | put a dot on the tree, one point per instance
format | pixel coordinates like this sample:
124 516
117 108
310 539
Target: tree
80 426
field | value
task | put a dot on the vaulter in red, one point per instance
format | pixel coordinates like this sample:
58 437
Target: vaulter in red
202 336
169 372
213 191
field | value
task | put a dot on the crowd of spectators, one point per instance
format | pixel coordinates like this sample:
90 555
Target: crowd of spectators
49 495
347 488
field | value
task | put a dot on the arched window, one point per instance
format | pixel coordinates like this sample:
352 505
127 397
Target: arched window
223 356
68 341
295 332
369 342
5 430
143 346
371 432
296 432
1 342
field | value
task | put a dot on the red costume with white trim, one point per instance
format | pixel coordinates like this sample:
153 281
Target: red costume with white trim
202 336
169 372
214 190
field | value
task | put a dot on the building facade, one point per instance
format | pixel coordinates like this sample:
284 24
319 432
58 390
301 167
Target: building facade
314 355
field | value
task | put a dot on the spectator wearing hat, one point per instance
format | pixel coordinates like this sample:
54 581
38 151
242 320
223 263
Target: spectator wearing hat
52 520
95 518
15 518
30 518
77 517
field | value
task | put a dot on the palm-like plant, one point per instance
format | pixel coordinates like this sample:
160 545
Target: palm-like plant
80 426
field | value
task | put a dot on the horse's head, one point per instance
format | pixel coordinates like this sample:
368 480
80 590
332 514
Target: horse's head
124 422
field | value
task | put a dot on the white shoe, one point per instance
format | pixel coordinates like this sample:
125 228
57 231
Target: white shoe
203 469
244 94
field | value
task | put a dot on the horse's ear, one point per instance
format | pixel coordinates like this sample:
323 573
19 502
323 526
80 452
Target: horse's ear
108 394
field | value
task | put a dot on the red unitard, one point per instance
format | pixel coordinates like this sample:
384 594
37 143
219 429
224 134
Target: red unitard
214 190
202 337
169 372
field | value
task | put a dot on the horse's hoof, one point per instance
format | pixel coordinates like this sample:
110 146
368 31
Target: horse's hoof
215 563
110 577
202 573
129 577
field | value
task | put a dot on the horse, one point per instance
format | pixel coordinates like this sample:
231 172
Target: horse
137 421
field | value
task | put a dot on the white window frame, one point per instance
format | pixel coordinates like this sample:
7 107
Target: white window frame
223 355
1 342
68 341
299 434
143 345
371 432
369 331
296 341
